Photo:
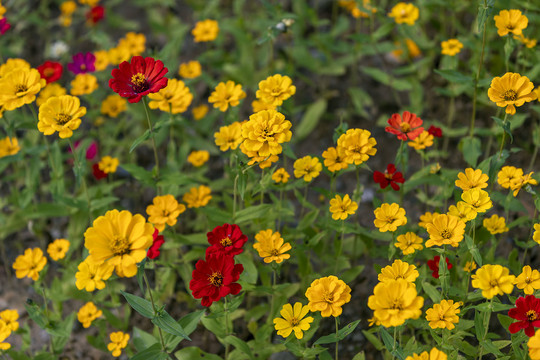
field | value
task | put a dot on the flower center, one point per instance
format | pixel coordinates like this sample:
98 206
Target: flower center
48 72
397 304
83 67
405 127
531 315
294 321
388 176
493 283
328 297
510 95
226 242
446 234
216 279
62 119
20 88
138 83
276 91
119 246
274 252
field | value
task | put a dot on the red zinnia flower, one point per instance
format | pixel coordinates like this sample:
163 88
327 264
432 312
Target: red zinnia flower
4 25
527 311
227 238
390 177
434 266
97 172
50 71
153 251
215 278
435 131
408 127
95 14
139 78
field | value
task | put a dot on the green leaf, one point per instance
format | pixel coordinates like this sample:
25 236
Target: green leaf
165 321
471 149
310 119
140 174
373 340
432 292
483 13
36 314
240 345
194 353
389 343
473 250
342 333
140 305
139 140
454 76
253 212
189 324
154 352
479 324
505 125
387 79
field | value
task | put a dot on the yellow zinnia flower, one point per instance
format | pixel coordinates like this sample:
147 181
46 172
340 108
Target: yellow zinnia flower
108 164
469 266
426 219
463 211
477 199
495 225
443 315
62 114
91 276
493 280
51 90
174 98
120 239
134 43
258 105
507 175
422 141
113 105
118 54
510 21
5 331
472 179
451 47
88 313
229 137
271 246
404 13
434 354
226 94
190 70
281 176
12 64
358 146
529 43
342 208
293 319
9 146
10 317
119 341
519 183
164 210
29 264
265 132
334 159
197 196
536 234
445 230
198 158
409 243
275 89
328 295
83 84
102 60
534 346
307 167
528 280
395 301
388 217
19 87
200 111
206 30
398 270
58 248
511 90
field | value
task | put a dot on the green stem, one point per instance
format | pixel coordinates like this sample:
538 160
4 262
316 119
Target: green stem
150 129
504 135
226 327
155 311
339 246
305 200
235 186
395 343
533 157
477 77
82 178
486 327
530 235
280 207
337 331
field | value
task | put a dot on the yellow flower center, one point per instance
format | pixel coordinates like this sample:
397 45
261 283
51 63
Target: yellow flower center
294 321
138 83
119 245
62 119
531 315
83 67
510 95
397 304
328 297
446 234
216 279
494 283
276 91
405 127
20 88
226 242
274 252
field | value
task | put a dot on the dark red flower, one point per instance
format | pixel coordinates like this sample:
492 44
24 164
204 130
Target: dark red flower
389 177
153 251
97 172
4 25
139 78
50 71
527 311
406 128
95 14
434 266
435 131
215 278
82 63
227 238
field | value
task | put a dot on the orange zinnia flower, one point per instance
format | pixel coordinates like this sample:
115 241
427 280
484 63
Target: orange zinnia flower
406 127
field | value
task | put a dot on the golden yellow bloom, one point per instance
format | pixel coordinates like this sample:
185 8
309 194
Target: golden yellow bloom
529 43
451 47
477 199
275 89
342 208
413 51
271 246
409 243
255 157
493 280
445 230
511 90
51 90
198 158
190 70
517 184
404 13
388 217
293 319
434 354
175 97
528 280
118 54
258 105
88 313
29 264
472 179
427 218
62 114
113 105
90 3
469 266
495 225
463 211
12 64
226 94
443 315
5 331
65 20
395 301
265 132
10 317
197 197
2 11
118 342
68 7
83 84
108 164
307 167
358 146
200 111
9 146
510 21
120 239
534 346
328 295
508 175
350 5
91 276
58 249
164 210
398 270
334 159
102 60
206 30
19 87
536 234
422 141
134 43
229 137
281 176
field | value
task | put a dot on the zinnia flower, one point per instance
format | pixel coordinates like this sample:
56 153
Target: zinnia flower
451 47
477 199
271 246
97 172
511 90
528 280
229 137
409 243
58 248
118 342
82 63
434 354
398 270
83 84
341 208
433 265
50 71
275 89
334 159
198 158
95 14
9 146
4 25
405 128
91 276
62 114
435 131
197 196
509 175
534 346
153 251
307 167
519 183
226 94
206 30
10 317
113 105
445 230
215 278
388 217
293 319
164 210
510 21
427 218
495 225
174 98
88 313
404 13
358 146
49 91
5 331
527 311
281 176
227 238
190 70
389 177
424 140
29 264
472 179
19 87
443 315
463 211
493 280
133 43
200 111
139 78
328 295
108 164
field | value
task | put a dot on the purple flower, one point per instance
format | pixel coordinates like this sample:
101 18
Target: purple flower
4 26
82 63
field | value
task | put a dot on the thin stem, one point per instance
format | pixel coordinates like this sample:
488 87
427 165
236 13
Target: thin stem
530 234
339 246
395 343
486 327
305 200
150 129
280 207
533 158
155 311
226 327
337 342
235 185
504 135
